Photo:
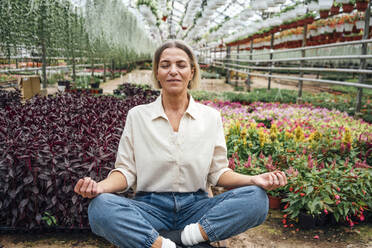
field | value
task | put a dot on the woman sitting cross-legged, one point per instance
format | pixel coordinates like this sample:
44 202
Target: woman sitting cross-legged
170 151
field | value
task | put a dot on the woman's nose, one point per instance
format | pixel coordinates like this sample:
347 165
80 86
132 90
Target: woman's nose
173 69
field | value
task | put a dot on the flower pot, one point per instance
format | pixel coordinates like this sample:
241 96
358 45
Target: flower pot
361 6
335 10
347 7
323 13
274 202
94 85
307 221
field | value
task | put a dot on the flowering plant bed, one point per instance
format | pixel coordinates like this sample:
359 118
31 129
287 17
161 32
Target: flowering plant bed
326 155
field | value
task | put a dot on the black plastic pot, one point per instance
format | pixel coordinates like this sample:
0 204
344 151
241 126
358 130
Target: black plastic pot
307 221
94 85
65 83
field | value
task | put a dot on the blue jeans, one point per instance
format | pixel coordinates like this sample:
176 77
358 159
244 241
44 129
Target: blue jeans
135 223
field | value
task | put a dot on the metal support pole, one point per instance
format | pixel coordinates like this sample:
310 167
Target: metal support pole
210 56
237 74
228 49
362 76
302 63
248 82
214 55
271 63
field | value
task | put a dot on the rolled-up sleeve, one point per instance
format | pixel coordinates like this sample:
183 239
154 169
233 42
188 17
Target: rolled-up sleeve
125 160
219 163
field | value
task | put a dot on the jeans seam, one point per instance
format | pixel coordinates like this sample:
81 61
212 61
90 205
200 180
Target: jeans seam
208 228
151 239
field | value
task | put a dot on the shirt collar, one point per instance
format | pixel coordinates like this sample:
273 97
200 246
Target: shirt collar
159 110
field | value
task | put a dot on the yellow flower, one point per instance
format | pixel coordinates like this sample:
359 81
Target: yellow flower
315 136
262 137
273 129
299 134
253 125
288 135
243 132
272 137
347 136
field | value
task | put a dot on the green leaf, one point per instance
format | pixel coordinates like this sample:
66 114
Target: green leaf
328 200
309 190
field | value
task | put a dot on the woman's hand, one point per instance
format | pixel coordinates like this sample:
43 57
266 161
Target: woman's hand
88 188
270 180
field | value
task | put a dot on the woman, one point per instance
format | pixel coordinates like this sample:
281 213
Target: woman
170 151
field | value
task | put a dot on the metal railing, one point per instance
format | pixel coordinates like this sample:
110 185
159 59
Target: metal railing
244 62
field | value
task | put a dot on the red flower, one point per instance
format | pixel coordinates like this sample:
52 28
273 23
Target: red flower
284 221
302 194
338 202
291 189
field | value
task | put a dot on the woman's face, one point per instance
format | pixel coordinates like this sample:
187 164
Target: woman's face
174 71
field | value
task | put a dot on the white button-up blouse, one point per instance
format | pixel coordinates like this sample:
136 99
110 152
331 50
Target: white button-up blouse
154 158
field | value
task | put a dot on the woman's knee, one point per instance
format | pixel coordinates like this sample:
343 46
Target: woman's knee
101 210
258 201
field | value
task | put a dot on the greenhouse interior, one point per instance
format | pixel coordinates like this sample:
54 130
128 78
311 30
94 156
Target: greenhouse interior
291 79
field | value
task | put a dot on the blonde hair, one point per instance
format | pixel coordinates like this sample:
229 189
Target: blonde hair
194 82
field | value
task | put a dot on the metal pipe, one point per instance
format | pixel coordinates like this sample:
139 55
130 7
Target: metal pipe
48 68
271 58
306 58
228 71
346 43
302 64
363 61
302 69
366 86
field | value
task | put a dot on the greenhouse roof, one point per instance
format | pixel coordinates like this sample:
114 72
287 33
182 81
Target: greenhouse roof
200 22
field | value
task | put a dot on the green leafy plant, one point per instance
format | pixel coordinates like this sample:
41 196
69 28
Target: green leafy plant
49 219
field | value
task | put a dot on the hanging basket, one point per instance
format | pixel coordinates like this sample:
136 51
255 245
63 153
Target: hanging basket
323 13
335 10
347 7
361 5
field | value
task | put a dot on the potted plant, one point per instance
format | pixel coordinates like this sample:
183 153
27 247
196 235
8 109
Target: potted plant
94 82
348 7
335 9
361 5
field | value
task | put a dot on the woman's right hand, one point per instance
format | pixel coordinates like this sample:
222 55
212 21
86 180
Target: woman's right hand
88 188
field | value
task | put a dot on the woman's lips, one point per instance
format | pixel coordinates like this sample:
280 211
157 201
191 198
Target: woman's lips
173 80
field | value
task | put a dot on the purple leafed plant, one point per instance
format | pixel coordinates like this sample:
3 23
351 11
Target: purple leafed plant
49 143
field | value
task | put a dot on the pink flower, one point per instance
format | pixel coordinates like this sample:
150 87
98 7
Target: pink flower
310 162
338 202
325 211
249 162
361 217
337 197
316 237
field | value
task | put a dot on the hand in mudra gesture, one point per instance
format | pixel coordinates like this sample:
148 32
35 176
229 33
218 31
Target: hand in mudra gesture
270 180
88 188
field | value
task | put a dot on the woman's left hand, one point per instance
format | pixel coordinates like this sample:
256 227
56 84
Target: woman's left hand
270 180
